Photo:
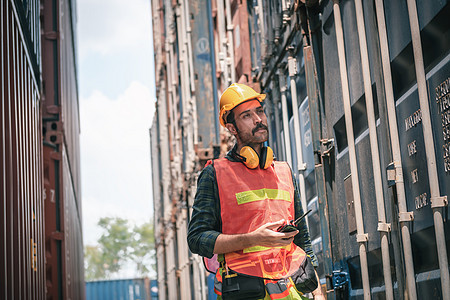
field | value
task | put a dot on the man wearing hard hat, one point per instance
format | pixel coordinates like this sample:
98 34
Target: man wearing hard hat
243 213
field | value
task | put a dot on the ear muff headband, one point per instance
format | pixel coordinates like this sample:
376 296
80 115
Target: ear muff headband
252 159
262 157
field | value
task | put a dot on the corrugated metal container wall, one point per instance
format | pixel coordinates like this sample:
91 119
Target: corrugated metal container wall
171 250
23 159
183 255
65 274
176 140
422 103
158 205
377 185
205 85
161 269
60 82
186 66
346 165
73 246
411 246
122 289
22 275
348 189
70 114
53 211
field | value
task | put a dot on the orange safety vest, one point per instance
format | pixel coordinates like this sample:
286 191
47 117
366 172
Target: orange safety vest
250 198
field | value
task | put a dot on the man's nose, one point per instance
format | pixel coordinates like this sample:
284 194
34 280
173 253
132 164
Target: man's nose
256 118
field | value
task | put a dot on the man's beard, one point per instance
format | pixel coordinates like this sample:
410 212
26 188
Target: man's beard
250 139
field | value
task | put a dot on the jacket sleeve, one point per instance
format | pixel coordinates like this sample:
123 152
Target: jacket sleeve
302 239
204 225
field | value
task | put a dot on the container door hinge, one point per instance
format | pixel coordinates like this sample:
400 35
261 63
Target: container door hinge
292 63
384 227
53 109
327 146
439 202
406 216
302 167
55 155
362 238
51 35
58 235
394 173
390 172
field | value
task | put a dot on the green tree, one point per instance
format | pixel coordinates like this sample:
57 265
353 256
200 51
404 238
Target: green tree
114 243
93 264
119 245
143 248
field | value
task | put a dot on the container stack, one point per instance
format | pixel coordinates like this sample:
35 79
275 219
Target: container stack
42 246
357 104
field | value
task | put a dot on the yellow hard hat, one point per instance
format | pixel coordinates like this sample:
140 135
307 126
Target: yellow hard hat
234 95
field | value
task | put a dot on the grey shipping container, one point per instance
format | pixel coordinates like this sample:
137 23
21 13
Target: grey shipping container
357 103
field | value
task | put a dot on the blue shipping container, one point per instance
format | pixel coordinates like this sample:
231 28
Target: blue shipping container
211 294
122 289
154 289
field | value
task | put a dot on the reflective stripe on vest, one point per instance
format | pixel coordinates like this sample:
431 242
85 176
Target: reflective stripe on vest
250 198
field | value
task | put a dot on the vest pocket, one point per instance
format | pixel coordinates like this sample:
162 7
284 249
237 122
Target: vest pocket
238 286
304 278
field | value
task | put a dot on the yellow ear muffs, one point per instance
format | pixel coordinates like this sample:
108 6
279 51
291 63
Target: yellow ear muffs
252 159
266 157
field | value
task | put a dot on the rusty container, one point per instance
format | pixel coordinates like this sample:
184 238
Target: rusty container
61 127
40 215
22 272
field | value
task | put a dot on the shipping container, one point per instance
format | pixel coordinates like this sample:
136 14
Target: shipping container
211 294
61 129
122 289
40 215
391 239
174 130
357 104
154 289
22 254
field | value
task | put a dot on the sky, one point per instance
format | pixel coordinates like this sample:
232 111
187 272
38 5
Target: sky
117 103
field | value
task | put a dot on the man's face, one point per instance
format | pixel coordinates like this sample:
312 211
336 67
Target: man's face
251 123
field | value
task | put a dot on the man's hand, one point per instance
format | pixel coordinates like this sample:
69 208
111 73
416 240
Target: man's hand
266 235
317 293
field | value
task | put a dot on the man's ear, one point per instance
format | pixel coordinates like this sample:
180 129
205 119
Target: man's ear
231 128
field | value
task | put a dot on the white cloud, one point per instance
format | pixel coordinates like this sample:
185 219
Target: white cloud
110 26
115 157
